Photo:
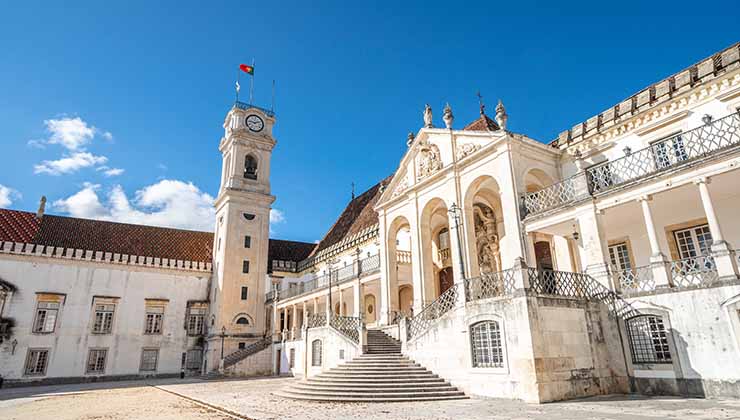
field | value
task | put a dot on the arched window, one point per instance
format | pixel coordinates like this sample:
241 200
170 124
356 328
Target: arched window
486 345
250 167
443 239
316 353
242 320
648 339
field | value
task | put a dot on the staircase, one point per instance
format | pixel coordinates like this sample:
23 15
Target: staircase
382 374
239 355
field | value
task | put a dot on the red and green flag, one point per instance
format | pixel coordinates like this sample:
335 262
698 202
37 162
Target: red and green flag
247 69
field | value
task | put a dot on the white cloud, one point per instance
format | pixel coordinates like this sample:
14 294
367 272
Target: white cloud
109 172
170 203
276 216
69 164
7 195
72 133
108 136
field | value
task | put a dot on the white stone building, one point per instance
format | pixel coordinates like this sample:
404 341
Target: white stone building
603 262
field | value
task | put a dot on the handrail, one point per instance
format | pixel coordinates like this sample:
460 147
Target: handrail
251 349
424 319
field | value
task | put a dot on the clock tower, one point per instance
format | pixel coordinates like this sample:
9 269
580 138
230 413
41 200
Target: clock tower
241 238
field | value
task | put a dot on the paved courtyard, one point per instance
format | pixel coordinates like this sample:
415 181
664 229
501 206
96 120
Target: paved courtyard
252 399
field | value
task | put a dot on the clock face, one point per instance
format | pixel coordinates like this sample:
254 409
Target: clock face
255 123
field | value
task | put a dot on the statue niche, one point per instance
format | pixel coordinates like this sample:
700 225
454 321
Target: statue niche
429 159
486 239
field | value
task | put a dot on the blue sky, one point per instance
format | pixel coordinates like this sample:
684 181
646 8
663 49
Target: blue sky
115 111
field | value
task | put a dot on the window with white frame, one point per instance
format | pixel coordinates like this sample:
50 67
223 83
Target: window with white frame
103 319
693 242
669 151
316 353
648 338
36 361
620 256
149 359
154 319
46 317
196 316
96 360
486 345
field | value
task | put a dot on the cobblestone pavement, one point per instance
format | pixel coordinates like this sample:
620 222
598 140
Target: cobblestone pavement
253 399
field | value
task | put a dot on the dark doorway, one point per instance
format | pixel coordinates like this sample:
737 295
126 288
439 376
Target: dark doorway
445 279
543 259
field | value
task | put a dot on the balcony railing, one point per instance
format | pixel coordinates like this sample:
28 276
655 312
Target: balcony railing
662 156
634 280
694 271
349 272
427 317
489 285
444 256
403 257
559 283
349 326
244 105
316 320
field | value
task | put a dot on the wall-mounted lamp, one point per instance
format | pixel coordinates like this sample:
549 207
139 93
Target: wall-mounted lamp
707 119
576 235
627 150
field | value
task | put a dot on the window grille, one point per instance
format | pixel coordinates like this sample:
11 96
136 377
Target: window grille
193 359
154 320
149 360
245 267
648 339
195 324
96 360
36 361
247 241
103 319
486 344
316 353
291 360
245 291
46 317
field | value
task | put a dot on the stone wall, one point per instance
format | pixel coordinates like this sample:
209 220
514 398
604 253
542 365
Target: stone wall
258 364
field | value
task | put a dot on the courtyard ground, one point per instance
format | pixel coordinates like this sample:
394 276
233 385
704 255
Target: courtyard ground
252 399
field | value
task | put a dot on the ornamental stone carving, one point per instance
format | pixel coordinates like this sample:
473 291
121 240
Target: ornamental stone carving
403 184
428 116
486 239
447 116
466 149
501 116
429 160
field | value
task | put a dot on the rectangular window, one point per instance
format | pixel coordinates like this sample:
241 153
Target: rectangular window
245 267
245 291
648 339
36 361
242 345
149 359
46 317
693 242
103 322
196 317
620 257
193 359
291 360
247 241
154 320
669 151
96 360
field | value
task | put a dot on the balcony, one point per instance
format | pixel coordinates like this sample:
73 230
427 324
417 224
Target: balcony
667 155
403 257
359 268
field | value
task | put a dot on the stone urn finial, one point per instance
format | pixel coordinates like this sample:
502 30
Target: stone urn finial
447 116
428 116
501 116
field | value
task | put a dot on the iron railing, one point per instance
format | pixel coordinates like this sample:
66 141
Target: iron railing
349 272
427 317
634 280
489 285
242 354
349 326
244 105
694 271
559 283
661 156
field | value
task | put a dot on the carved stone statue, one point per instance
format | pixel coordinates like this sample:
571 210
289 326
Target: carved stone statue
501 116
429 160
409 139
428 116
486 238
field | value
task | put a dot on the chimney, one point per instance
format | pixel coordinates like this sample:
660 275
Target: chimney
42 208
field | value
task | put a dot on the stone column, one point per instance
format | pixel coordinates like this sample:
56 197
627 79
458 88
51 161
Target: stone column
294 329
593 247
305 315
357 298
341 301
721 250
658 260
454 221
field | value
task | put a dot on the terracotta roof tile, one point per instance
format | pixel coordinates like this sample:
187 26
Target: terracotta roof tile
288 250
483 123
98 235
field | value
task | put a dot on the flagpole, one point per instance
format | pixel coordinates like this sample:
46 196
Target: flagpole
251 84
272 108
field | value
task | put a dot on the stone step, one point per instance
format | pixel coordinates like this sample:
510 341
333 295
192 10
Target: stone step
378 370
389 376
381 364
391 394
370 383
369 399
378 390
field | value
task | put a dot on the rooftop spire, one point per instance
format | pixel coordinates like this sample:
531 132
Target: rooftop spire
42 208
481 104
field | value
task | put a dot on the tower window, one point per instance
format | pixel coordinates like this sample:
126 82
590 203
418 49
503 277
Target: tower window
245 290
242 321
245 267
247 241
250 167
